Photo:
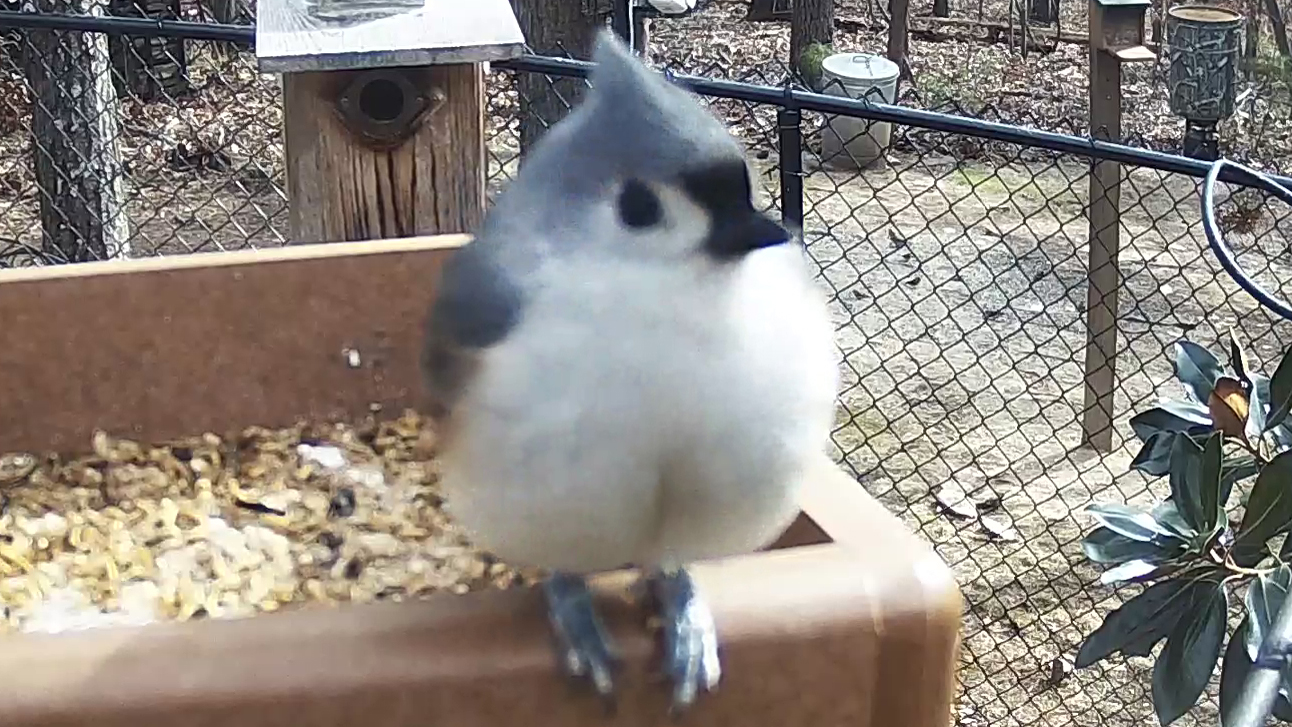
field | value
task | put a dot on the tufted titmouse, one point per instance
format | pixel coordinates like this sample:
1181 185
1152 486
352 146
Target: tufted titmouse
629 365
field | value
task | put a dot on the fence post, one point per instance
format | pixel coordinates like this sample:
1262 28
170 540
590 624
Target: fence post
1105 243
383 113
1116 37
789 123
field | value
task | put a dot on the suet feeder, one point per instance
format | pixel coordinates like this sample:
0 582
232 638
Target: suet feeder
1204 44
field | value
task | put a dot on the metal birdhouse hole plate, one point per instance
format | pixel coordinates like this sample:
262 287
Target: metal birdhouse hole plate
383 106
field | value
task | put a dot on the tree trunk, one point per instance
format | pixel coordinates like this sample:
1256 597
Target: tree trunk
566 28
148 68
1252 36
813 23
899 37
74 124
1279 27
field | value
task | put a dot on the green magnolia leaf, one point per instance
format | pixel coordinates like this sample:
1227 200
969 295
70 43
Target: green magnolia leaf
1264 597
1285 552
1238 359
1234 670
1171 416
1105 545
1140 622
1282 435
1158 427
1258 407
1154 458
1187 660
1132 571
1235 469
1195 481
1134 524
1280 391
1269 510
1168 516
1197 368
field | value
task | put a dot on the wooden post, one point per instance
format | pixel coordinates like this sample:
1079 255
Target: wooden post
383 113
1105 243
1116 37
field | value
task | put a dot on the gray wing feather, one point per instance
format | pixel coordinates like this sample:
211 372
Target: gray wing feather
476 307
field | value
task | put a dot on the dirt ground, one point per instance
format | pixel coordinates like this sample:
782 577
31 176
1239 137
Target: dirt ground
958 282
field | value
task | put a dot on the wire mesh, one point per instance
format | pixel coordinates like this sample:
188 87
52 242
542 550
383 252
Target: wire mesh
170 148
957 268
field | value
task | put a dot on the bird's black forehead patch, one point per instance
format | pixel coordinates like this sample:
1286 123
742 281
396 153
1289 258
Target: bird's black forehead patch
720 186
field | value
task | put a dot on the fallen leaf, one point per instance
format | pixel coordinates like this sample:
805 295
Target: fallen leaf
998 529
953 499
1060 669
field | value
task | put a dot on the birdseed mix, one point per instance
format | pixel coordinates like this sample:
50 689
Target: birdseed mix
211 527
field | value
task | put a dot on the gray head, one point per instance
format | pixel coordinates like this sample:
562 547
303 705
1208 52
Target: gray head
640 169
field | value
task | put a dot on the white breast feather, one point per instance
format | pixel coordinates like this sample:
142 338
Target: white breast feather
647 415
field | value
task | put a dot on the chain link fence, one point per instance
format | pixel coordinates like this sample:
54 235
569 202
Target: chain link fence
958 269
139 147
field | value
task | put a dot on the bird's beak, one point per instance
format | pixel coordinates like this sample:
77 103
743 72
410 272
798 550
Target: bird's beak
734 238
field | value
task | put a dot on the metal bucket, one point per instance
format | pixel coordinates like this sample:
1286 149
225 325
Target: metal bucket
1204 44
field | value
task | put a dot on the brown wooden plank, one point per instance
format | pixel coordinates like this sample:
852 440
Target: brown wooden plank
432 183
829 635
172 346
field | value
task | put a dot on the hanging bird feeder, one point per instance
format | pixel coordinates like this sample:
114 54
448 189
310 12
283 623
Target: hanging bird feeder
1203 47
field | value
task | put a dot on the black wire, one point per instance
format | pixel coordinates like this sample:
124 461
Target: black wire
1245 175
116 25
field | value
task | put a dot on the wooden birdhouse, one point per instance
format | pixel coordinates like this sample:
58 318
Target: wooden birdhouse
383 111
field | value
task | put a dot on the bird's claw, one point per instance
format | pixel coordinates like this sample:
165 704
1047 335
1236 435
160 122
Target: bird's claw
584 648
690 658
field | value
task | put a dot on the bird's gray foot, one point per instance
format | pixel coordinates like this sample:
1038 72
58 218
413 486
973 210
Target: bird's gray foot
690 638
584 648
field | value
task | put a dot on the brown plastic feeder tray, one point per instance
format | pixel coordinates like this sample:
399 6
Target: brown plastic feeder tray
850 620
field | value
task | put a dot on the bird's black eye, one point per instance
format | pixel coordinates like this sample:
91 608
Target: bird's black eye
638 205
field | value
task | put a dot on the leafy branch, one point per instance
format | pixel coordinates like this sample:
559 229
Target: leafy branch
1230 429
